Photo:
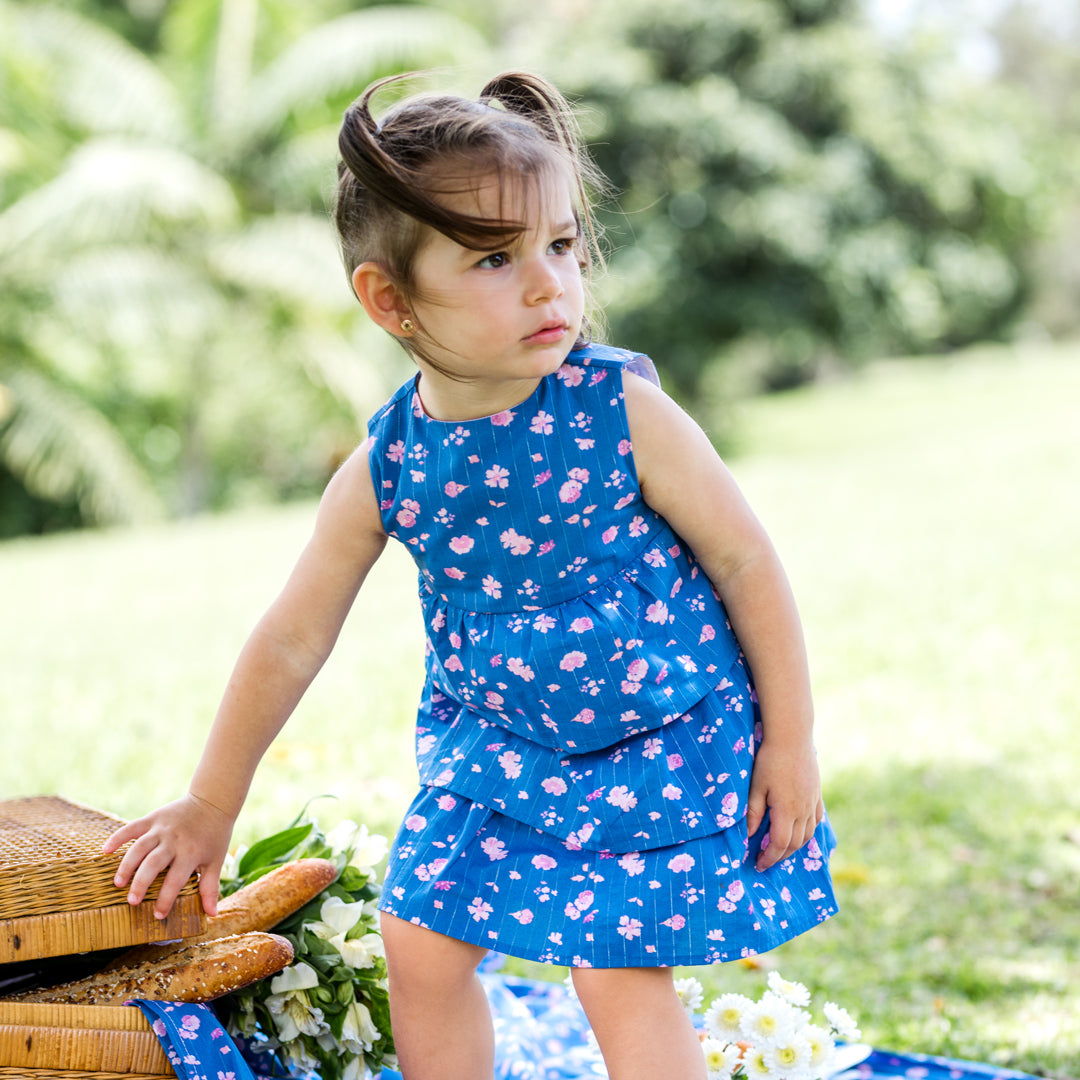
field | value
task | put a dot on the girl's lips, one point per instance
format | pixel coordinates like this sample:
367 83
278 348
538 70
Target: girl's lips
547 334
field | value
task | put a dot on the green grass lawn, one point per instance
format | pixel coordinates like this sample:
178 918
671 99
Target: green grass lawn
928 514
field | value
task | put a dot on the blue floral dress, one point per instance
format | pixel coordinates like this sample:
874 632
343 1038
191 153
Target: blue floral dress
588 725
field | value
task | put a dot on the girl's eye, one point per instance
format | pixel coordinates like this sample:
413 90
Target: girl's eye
563 247
493 262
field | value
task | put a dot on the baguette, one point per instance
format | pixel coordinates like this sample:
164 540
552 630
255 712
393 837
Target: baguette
192 973
258 906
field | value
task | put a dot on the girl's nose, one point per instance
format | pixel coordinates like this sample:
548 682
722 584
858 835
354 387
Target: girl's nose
544 283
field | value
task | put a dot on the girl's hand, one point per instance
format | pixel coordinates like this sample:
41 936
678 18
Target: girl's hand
785 781
186 835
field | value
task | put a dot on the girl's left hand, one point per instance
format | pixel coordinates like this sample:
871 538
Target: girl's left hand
786 782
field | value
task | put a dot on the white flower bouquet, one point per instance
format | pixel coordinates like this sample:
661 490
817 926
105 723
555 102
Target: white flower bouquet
328 1011
775 1038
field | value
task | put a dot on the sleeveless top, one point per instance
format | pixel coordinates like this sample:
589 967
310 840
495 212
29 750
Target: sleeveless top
567 624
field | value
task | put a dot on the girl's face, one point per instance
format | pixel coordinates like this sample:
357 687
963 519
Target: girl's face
500 320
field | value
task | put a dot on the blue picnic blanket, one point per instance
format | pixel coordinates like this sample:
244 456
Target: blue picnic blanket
540 1034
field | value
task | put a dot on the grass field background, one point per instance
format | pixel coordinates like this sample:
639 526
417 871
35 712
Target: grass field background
928 514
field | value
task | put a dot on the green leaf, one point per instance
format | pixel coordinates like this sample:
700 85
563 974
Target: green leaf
273 849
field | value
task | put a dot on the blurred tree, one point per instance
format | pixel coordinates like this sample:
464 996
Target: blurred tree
171 300
791 190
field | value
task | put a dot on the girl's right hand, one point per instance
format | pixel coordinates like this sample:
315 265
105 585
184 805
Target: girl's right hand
184 836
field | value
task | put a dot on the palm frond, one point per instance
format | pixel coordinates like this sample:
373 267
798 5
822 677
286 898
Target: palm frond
101 83
112 190
292 256
137 296
343 55
61 448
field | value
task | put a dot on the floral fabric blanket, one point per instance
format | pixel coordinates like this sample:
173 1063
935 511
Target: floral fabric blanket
540 1034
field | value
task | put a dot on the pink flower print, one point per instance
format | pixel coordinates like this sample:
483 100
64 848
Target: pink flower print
545 547
446 802
455 639
524 916
676 922
651 748
510 764
636 669
729 803
425 744
453 663
633 864
406 517
454 572
609 534
554 785
585 444
492 587
581 624
480 909
572 660
415 822
624 447
158 1028
497 477
541 423
493 848
681 864
586 716
629 928
622 797
625 501
454 489
493 700
657 612
639 526
674 761
571 375
579 474
515 542
460 544
655 557
735 891
670 791
629 687
542 478
396 451
543 623
502 419
518 667
544 862
570 492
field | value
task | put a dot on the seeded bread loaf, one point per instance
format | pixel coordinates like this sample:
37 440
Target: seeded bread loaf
191 973
258 906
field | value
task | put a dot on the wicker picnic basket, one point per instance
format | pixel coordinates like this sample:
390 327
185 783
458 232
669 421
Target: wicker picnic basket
57 898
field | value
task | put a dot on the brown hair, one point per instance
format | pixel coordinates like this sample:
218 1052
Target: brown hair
392 172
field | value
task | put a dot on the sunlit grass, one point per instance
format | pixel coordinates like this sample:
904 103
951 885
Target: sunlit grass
928 516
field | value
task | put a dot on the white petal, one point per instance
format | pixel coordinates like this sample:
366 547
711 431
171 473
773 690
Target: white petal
298 976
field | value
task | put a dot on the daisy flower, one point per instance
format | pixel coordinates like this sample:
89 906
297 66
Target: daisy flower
724 1015
756 1065
790 1059
720 1060
841 1021
822 1049
691 994
769 1021
793 992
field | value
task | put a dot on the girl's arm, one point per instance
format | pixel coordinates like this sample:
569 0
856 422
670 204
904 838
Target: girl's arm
682 477
284 653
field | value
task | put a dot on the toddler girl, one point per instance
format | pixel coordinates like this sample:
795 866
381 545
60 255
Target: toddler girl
603 784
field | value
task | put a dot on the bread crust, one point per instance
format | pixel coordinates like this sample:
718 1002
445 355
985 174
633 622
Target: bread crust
258 906
192 973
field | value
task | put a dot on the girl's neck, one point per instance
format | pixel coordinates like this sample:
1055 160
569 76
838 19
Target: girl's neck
445 398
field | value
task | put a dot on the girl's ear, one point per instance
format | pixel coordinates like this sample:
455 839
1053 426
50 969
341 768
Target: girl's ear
381 298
